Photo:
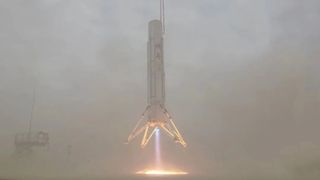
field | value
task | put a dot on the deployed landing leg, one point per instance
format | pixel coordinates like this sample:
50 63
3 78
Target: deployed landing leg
172 130
151 126
135 132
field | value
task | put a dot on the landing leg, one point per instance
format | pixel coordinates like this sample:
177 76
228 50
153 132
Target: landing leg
172 130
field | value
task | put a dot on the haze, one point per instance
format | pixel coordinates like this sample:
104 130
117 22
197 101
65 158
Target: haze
243 85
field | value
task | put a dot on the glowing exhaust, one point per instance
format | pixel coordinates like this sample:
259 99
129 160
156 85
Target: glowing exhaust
155 172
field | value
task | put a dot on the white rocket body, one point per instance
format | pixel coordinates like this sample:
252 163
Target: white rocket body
156 116
156 74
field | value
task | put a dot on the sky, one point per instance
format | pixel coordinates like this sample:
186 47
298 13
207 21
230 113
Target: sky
242 84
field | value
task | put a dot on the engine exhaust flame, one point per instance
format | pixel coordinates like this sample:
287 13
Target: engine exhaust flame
157 148
159 170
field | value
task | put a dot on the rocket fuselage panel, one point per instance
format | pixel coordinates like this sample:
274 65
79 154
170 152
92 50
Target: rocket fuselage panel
156 75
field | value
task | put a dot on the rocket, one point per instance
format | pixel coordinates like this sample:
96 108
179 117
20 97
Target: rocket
156 116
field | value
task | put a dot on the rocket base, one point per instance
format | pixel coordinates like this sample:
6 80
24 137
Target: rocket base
149 127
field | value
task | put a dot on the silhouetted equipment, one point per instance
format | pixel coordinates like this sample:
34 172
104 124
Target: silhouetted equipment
24 142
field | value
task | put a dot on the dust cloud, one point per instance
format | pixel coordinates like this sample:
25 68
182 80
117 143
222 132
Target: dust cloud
243 85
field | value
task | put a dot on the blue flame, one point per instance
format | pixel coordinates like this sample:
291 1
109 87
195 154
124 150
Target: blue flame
157 148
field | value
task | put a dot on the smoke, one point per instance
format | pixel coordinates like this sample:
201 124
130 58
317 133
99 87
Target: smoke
242 85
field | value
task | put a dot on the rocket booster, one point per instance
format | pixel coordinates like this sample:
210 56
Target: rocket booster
156 75
156 115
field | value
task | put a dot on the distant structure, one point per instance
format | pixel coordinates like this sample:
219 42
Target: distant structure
156 116
24 142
